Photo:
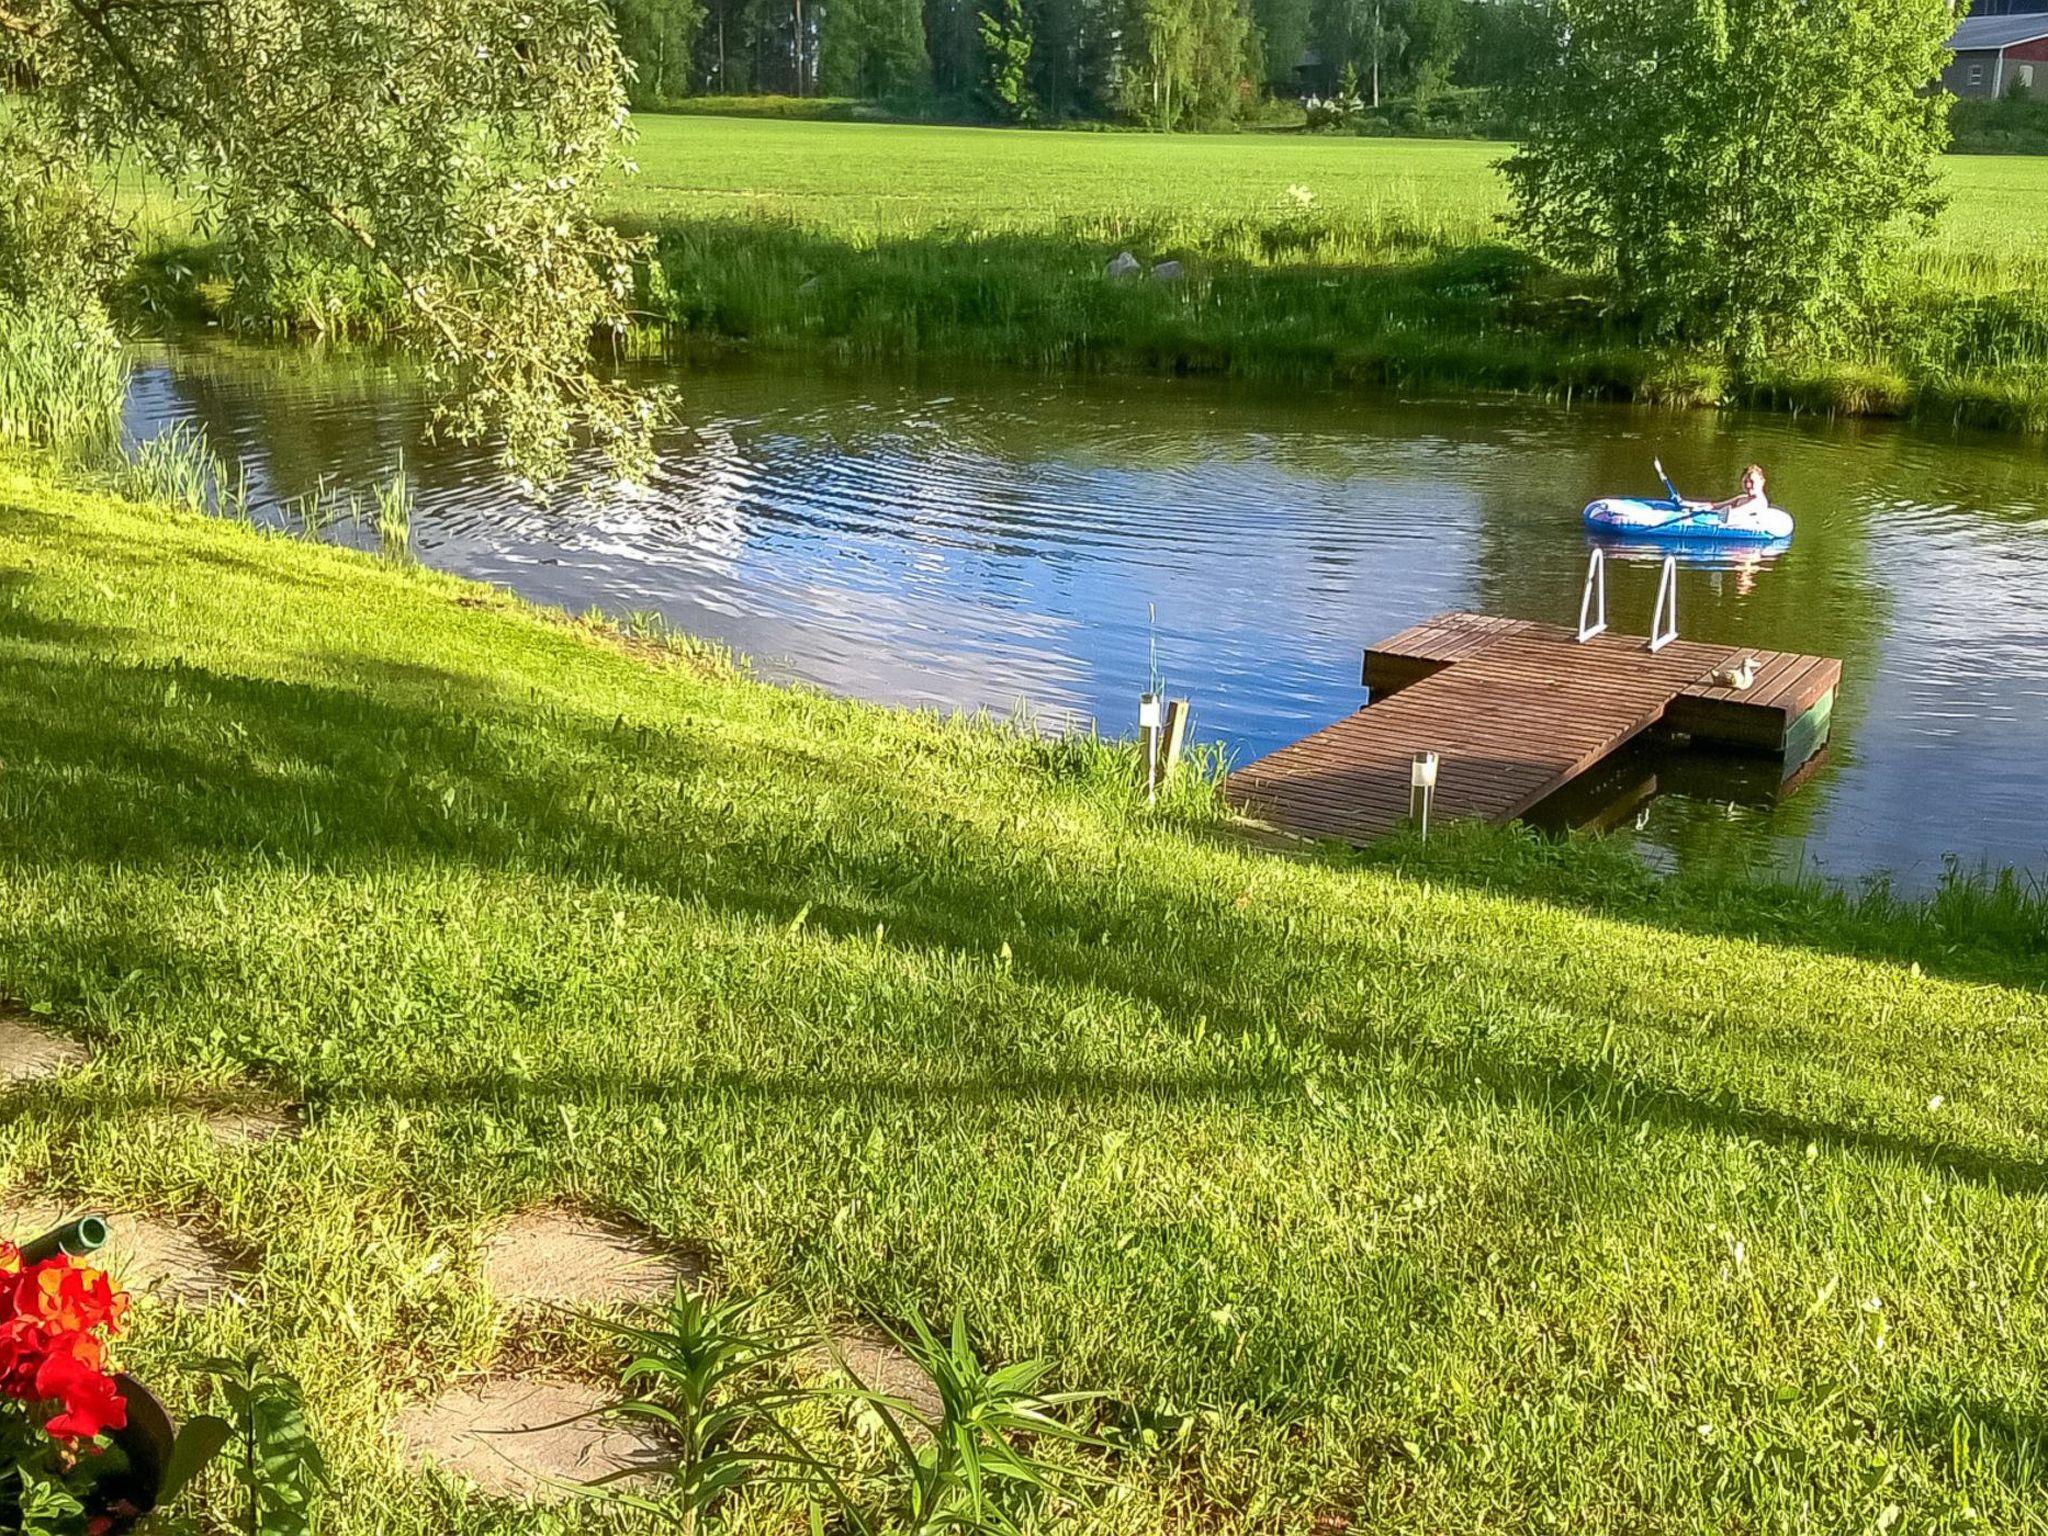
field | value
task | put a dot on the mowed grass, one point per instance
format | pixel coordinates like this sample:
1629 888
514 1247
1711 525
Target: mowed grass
883 178
1382 1199
877 179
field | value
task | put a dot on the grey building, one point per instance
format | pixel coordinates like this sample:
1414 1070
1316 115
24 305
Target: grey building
1994 54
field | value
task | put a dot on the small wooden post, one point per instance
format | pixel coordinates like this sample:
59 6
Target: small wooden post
1176 737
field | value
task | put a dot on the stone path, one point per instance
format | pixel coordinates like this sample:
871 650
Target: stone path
529 1439
145 1256
535 1439
556 1256
881 1366
30 1053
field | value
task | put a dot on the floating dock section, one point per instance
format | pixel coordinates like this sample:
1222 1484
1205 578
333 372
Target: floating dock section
1516 710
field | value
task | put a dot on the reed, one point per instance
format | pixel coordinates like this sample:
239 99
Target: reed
179 467
394 508
62 381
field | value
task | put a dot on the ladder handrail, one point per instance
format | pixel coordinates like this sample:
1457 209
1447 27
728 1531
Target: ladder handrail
1664 618
1595 591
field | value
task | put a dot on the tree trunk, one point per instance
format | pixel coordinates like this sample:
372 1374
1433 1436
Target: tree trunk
1377 36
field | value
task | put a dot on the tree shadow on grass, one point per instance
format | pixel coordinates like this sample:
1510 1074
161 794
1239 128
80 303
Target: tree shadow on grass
1967 930
135 766
30 628
1556 1088
1981 1428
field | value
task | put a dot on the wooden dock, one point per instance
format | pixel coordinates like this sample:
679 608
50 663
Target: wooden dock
1516 710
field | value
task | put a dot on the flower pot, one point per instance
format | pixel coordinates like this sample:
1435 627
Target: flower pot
129 1490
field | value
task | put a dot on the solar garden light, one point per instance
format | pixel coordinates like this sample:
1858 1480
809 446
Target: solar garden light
1151 716
1421 789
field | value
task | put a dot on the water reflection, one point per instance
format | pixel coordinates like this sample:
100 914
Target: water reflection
1744 562
962 541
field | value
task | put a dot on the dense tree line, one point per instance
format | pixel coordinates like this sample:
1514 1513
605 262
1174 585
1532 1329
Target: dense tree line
1161 63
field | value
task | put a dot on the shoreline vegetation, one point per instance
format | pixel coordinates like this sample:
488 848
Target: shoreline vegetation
1450 1187
1353 261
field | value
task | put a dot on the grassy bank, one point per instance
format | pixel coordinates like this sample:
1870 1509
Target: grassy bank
1305 257
1375 261
1492 1187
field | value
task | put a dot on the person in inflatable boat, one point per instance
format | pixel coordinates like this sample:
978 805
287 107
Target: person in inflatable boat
1749 505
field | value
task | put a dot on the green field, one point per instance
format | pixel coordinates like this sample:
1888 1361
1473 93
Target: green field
1501 1190
872 180
880 179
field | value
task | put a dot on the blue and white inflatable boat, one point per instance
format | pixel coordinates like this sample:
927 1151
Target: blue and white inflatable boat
1628 518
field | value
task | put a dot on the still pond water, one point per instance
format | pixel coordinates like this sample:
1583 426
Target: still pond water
962 540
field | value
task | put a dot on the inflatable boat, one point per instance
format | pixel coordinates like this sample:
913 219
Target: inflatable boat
1691 521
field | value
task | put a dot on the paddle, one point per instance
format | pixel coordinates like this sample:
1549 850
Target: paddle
1677 500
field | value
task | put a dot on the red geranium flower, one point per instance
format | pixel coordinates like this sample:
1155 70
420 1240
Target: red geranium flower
90 1402
64 1296
55 1319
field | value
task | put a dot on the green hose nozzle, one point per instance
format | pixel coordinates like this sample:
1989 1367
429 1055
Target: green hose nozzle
75 1239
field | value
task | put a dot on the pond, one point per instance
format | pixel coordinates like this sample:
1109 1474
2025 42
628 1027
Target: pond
965 540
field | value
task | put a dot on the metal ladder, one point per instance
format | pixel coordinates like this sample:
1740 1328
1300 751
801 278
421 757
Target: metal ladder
1593 602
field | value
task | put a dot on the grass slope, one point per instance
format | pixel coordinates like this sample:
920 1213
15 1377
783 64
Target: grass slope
1383 1197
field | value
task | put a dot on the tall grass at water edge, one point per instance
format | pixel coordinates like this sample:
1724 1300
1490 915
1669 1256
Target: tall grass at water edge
1384 299
62 384
394 502
180 467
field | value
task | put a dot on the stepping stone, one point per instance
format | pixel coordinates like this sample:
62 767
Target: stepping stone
880 1365
534 1440
251 1125
29 1053
555 1256
144 1256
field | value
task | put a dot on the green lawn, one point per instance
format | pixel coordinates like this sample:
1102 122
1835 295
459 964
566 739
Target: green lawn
1388 1199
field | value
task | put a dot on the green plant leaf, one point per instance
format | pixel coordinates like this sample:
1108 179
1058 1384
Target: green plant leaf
198 1442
